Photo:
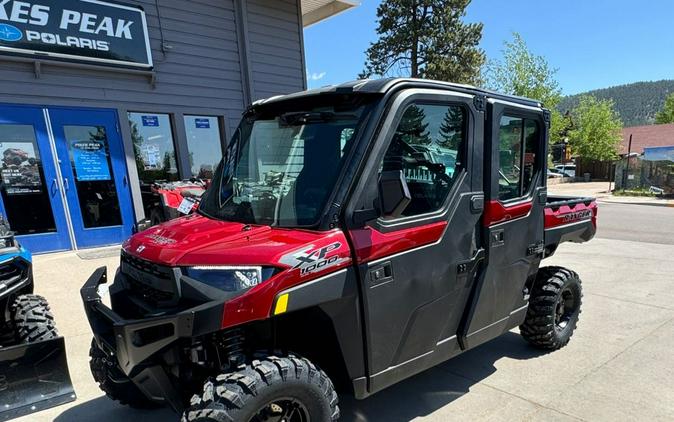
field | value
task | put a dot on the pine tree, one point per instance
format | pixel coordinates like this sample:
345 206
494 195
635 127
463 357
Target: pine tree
451 128
413 128
666 115
426 39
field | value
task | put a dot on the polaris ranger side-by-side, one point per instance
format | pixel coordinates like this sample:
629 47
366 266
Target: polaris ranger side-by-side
372 230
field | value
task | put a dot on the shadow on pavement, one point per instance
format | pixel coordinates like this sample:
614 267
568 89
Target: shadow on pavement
418 396
437 387
102 409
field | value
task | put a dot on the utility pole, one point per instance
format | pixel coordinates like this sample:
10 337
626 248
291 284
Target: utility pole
627 169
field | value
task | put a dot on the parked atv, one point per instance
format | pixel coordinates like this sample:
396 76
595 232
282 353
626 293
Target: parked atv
165 201
352 236
33 370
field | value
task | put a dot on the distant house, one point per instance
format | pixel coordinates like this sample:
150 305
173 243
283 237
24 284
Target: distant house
642 137
647 137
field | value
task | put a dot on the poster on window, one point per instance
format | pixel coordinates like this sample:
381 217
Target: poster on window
20 168
151 157
91 161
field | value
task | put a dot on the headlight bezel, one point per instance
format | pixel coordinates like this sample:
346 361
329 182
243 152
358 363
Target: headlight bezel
229 278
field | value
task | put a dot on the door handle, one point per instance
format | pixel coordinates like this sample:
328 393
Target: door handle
381 274
65 184
54 187
125 181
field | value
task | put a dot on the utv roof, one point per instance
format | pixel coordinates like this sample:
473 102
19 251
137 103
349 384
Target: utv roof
383 86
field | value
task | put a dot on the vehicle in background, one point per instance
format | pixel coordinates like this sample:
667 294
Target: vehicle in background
554 174
164 201
336 250
33 368
568 169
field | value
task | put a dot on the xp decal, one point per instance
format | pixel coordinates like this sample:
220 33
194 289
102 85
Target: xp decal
311 259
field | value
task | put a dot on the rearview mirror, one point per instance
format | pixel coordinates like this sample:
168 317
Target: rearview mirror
394 194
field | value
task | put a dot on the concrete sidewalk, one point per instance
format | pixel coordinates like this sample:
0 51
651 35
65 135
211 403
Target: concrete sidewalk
600 191
618 366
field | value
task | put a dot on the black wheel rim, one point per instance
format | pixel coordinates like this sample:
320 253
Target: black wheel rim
566 309
282 410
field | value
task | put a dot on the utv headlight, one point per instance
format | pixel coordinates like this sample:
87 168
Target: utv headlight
230 279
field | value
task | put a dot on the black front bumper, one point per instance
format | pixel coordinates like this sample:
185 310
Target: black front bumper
138 344
16 278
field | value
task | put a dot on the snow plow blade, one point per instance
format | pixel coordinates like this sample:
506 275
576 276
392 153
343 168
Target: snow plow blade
33 377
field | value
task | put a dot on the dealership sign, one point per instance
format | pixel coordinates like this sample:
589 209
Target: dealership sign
76 30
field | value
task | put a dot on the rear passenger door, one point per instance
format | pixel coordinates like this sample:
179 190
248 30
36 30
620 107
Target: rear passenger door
416 270
513 223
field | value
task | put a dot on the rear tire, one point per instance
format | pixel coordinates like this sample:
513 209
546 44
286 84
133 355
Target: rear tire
32 319
112 381
273 388
554 308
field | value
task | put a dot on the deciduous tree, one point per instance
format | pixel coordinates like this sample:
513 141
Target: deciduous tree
597 130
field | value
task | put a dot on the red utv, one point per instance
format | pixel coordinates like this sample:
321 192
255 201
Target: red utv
336 248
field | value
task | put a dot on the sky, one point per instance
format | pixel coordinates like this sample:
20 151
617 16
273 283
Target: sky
592 43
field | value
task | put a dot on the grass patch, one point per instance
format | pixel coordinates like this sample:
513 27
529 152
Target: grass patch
635 192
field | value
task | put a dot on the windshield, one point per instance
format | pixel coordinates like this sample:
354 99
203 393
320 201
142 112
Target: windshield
280 168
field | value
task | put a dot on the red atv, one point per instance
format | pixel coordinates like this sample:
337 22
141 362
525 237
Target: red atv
165 201
352 236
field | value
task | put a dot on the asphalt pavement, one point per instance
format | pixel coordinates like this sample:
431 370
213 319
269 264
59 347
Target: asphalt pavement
619 365
640 223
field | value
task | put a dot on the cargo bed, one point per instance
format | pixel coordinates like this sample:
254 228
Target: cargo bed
569 219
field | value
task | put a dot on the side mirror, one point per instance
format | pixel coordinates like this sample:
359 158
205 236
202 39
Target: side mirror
141 226
393 197
394 194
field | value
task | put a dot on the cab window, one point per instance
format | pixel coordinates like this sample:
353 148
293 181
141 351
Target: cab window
428 146
518 154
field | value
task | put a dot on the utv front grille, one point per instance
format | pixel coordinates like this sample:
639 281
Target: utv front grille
12 273
152 283
149 294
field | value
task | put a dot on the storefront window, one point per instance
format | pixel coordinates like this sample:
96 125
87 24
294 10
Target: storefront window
204 144
153 146
90 160
24 191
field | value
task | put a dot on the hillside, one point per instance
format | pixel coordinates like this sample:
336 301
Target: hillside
637 103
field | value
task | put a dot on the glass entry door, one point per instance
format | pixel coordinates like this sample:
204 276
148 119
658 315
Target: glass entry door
30 188
93 169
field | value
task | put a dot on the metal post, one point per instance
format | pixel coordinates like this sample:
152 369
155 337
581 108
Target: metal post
627 168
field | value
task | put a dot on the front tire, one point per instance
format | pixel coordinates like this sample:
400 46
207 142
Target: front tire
273 388
112 381
554 308
32 319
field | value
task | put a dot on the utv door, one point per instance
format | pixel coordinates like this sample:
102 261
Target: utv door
417 270
513 219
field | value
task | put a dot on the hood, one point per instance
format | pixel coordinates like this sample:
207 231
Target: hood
199 240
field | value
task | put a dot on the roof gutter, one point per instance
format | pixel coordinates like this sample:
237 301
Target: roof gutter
327 10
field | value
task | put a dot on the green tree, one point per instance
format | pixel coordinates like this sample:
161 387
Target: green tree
597 129
666 115
451 128
425 39
521 72
412 128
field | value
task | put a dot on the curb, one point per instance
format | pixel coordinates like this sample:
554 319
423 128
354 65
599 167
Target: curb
652 204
